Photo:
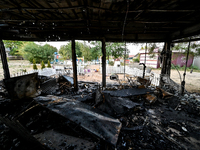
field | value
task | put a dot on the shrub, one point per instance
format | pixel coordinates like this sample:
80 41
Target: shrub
136 60
42 65
194 67
111 63
49 65
34 65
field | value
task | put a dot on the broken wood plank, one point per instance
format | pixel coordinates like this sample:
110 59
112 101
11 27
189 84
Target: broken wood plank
92 120
16 126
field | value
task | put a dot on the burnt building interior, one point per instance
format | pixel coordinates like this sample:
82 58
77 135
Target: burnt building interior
40 112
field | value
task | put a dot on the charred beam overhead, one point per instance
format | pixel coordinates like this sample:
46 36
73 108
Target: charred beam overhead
82 26
186 32
98 8
186 40
105 21
98 19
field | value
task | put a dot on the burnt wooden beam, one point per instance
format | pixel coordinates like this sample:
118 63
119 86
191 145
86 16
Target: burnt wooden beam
23 133
42 9
61 8
74 12
143 10
4 60
103 9
56 14
157 10
103 21
74 66
186 40
109 37
103 63
166 59
38 4
20 9
186 32
163 59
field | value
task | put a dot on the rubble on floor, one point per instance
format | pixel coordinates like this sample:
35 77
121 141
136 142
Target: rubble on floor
94 121
100 119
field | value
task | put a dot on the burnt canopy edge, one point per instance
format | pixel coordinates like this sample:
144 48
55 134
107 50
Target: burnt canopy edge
53 20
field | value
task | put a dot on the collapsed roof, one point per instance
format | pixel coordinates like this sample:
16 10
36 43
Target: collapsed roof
114 20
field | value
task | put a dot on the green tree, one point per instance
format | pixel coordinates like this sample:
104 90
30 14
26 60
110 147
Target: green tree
40 53
116 50
49 65
66 50
86 52
42 65
96 50
112 49
14 46
183 48
48 52
34 65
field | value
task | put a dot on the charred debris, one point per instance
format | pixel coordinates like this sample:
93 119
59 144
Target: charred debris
41 112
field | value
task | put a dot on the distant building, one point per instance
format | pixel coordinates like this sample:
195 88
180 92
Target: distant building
179 59
196 61
130 56
153 61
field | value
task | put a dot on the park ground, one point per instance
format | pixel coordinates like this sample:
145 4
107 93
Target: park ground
192 79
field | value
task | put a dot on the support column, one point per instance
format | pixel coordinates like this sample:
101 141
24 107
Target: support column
166 59
4 60
74 66
103 63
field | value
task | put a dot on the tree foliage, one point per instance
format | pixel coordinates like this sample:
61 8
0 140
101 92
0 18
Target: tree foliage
183 48
116 50
66 50
96 50
14 46
82 49
40 53
86 52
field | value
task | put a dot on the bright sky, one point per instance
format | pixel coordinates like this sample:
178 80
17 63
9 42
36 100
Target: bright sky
133 48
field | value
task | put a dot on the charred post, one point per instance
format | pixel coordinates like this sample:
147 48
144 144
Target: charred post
4 61
74 66
166 59
103 63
